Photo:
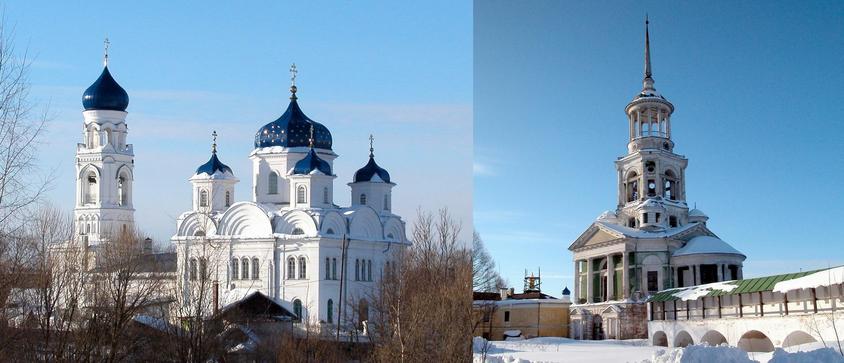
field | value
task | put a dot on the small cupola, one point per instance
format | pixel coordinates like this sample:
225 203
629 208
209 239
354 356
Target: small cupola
213 183
311 180
372 185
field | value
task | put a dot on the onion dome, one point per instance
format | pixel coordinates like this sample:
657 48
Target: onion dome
105 94
292 129
566 291
214 164
311 162
371 172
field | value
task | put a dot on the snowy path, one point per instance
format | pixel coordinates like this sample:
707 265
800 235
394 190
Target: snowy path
552 350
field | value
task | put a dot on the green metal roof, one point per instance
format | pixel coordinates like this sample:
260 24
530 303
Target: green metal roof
765 283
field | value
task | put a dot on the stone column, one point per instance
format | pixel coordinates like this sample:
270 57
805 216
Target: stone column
720 272
696 274
610 278
625 280
589 281
576 282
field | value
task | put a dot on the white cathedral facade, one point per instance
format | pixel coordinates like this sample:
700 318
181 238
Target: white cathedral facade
288 241
652 241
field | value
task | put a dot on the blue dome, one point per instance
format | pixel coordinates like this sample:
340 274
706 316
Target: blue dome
105 94
566 291
293 129
310 163
212 166
369 170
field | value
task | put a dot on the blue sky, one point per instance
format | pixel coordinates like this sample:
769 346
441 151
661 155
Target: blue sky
403 73
757 88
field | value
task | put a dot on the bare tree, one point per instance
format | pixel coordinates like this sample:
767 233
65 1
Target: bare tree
423 308
484 275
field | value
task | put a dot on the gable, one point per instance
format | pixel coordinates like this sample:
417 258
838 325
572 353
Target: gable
599 237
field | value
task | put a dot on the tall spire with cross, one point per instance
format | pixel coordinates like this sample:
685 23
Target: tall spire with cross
214 142
371 149
311 139
106 44
647 49
293 73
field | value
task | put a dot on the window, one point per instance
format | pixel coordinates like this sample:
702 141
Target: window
203 198
644 218
297 309
506 316
330 317
327 268
228 198
235 264
325 195
651 188
357 270
363 199
363 311
256 268
632 186
668 191
329 231
203 268
672 221
291 268
272 183
297 231
334 269
302 268
244 269
631 222
301 194
653 281
192 273
387 202
657 218
121 191
369 270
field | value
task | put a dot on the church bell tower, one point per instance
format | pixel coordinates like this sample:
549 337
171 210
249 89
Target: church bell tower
104 163
651 177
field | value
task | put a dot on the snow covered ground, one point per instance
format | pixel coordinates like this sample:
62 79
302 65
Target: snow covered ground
550 350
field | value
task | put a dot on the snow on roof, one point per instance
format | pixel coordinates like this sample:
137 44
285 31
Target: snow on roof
694 292
706 244
696 213
638 233
828 277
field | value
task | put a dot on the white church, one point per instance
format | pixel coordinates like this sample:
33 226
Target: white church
289 240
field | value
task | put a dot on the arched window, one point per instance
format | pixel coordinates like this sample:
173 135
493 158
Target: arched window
363 199
272 183
327 268
244 268
291 268
203 268
203 198
301 194
669 187
632 186
357 270
369 270
302 268
235 264
192 273
387 202
297 308
92 191
256 268
363 312
329 231
121 190
228 198
297 231
672 221
325 195
330 317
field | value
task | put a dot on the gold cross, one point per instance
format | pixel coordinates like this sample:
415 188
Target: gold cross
293 73
371 149
311 140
